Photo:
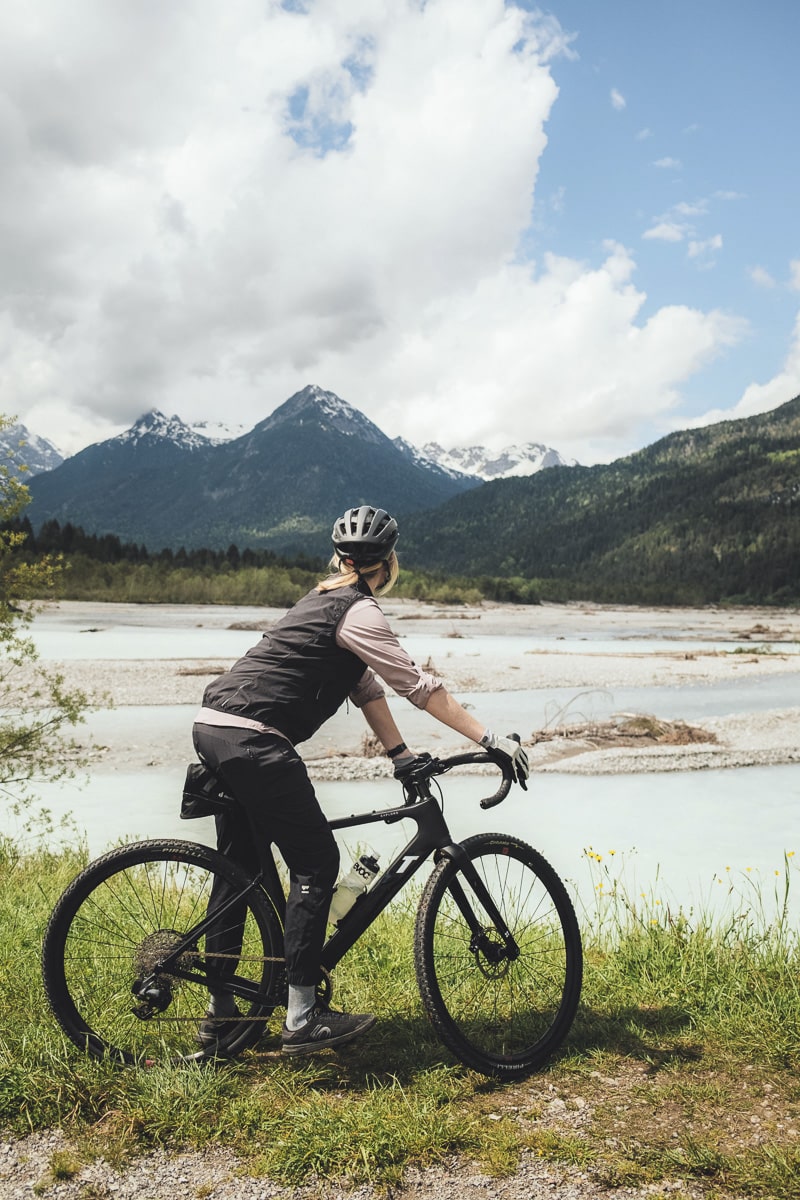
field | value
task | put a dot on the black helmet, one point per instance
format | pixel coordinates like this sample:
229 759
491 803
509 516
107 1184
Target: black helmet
364 536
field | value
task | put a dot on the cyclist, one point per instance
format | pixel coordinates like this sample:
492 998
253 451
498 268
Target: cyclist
331 646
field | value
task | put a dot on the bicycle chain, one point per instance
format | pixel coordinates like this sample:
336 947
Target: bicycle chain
239 958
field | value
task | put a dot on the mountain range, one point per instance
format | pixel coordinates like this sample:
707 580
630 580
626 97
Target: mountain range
512 462
702 515
277 486
479 462
165 483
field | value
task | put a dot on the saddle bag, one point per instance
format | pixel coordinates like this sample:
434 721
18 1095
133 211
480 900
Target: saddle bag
203 793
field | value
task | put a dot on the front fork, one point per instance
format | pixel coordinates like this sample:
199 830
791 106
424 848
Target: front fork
481 940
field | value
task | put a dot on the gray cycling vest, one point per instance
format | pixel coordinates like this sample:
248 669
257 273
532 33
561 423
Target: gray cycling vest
296 676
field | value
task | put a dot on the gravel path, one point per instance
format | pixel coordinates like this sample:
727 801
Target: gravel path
25 1170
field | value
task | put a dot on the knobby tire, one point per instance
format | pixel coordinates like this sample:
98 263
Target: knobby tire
502 1014
120 916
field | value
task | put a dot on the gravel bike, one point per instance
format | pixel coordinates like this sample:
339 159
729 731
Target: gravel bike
130 953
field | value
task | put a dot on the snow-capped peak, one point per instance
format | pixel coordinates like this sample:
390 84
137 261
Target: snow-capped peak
327 409
27 449
426 460
512 461
153 426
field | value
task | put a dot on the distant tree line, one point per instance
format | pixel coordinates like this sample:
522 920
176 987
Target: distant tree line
103 567
69 540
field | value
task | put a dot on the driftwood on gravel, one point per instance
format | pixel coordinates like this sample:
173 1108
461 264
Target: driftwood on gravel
628 729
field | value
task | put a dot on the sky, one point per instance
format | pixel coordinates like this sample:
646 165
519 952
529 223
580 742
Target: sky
478 221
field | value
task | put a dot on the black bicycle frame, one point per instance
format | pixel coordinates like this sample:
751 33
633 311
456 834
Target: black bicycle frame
432 837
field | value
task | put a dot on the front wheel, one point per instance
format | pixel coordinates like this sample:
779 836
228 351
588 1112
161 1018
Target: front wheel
501 994
130 956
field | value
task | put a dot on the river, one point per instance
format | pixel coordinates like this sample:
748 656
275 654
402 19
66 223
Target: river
682 838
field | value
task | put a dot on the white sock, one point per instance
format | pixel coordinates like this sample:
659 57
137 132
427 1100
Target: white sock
222 1007
301 1001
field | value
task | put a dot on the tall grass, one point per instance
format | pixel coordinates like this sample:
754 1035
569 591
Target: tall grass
660 981
725 970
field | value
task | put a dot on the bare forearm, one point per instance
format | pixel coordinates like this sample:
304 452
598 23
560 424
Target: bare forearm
445 708
441 705
380 720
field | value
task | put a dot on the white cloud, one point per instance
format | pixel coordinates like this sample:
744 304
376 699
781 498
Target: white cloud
558 199
794 274
705 247
696 208
763 397
618 101
761 277
677 225
665 231
668 164
567 347
207 214
644 134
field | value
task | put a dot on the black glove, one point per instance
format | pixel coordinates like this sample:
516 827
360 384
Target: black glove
405 766
510 748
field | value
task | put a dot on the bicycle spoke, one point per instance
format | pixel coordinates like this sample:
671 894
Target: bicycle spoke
118 928
499 1005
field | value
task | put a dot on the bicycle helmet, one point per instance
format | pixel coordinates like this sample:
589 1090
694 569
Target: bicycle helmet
364 536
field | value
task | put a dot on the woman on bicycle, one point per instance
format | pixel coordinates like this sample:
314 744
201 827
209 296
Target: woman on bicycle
327 649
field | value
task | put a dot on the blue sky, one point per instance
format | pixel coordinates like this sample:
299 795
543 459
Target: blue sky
682 117
478 221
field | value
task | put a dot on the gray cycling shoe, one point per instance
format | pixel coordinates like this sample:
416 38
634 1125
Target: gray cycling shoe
212 1030
325 1028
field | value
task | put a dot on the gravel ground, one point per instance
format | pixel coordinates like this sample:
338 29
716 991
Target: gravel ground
739 740
25 1170
740 635
181 681
712 646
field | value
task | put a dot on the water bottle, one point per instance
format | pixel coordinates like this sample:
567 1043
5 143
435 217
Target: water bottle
352 885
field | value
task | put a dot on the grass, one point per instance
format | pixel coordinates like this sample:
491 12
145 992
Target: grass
682 1063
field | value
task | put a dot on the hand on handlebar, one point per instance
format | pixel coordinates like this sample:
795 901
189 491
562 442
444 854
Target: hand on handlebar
414 770
509 748
405 766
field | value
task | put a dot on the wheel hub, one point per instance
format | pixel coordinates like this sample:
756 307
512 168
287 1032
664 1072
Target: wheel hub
490 953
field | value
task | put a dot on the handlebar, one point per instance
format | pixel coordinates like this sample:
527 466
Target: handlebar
415 783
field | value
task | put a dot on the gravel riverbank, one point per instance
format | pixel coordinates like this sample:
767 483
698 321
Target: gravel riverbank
492 650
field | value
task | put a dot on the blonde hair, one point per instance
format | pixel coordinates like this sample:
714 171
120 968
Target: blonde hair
344 576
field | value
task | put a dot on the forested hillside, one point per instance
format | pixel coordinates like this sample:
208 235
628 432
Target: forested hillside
107 569
703 515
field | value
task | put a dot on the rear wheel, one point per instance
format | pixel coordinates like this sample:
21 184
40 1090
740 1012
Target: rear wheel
126 975
503 1006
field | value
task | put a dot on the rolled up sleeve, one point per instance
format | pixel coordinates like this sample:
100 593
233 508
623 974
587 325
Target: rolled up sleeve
365 631
368 688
